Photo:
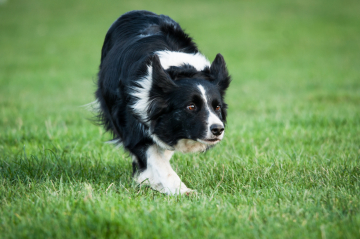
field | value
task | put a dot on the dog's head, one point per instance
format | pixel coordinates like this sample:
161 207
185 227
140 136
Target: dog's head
184 108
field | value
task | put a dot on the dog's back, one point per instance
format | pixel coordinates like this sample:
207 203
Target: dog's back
135 25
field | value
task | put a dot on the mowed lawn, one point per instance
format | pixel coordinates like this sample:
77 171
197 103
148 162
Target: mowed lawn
288 167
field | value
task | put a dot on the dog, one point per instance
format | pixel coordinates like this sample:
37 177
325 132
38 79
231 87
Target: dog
158 94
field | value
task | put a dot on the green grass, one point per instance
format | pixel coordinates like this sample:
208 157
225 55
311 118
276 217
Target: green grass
289 166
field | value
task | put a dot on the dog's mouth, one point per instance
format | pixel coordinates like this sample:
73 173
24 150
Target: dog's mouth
209 141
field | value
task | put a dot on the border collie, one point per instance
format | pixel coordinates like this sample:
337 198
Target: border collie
157 94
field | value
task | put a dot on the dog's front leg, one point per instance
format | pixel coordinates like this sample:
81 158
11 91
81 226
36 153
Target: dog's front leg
159 173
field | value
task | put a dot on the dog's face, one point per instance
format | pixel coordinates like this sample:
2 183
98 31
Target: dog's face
187 110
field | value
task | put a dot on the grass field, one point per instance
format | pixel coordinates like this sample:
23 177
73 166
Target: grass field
289 166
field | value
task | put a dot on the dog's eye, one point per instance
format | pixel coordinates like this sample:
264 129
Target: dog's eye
191 107
218 108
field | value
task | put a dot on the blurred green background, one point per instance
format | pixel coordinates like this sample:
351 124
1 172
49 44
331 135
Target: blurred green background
289 165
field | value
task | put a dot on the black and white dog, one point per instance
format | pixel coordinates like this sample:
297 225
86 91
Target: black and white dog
157 94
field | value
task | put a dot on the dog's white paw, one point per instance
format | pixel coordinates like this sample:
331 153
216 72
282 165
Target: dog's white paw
159 175
171 185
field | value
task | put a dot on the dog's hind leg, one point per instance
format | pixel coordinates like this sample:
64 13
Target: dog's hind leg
159 174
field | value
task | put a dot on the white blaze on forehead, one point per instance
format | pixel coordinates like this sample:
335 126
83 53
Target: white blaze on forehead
203 93
213 118
175 58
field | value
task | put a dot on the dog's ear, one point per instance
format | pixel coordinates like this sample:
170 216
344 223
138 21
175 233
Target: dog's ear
219 72
162 83
161 86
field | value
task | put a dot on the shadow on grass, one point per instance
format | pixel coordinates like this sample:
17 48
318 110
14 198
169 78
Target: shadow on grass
54 165
248 178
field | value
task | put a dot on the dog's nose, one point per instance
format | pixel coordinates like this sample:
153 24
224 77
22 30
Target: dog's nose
216 129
